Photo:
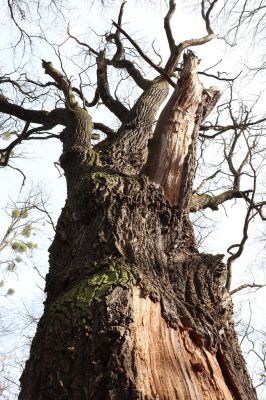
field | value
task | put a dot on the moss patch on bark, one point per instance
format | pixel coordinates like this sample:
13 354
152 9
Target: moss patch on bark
93 288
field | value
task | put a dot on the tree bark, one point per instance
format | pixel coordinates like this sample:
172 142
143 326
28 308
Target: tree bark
133 311
127 152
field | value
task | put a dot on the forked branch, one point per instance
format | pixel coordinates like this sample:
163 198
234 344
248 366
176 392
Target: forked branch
176 50
246 286
144 56
251 212
6 152
206 15
118 61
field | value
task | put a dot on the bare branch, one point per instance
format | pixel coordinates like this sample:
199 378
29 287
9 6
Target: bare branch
117 61
201 202
113 105
160 70
245 286
23 33
94 101
177 50
175 56
20 172
218 76
133 72
119 46
224 128
34 116
248 218
62 82
167 26
198 189
90 49
206 16
5 153
105 129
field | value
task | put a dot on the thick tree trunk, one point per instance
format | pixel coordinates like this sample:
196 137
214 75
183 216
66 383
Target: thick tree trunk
133 311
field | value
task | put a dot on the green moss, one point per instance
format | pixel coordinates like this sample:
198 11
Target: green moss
94 159
82 115
92 288
94 179
108 176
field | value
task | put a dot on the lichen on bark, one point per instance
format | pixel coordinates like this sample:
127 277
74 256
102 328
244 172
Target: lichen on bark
110 274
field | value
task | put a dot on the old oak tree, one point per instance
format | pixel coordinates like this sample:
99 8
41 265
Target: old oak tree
133 310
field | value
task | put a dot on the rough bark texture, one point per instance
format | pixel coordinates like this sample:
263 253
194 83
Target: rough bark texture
127 151
129 298
133 311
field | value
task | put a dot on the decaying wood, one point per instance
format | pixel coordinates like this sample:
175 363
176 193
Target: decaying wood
193 372
172 148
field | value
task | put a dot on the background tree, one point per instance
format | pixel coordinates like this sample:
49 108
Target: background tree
21 223
124 255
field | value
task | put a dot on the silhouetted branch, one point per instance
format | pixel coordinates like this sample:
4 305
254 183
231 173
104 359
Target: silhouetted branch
167 26
248 218
34 116
62 82
113 105
144 56
176 50
245 286
105 129
202 201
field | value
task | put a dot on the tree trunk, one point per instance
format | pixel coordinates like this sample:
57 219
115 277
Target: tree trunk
133 311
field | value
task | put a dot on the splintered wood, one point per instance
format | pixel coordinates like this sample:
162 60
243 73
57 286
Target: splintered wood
175 134
169 365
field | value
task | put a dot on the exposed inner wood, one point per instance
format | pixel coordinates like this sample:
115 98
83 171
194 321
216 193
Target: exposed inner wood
169 365
173 136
